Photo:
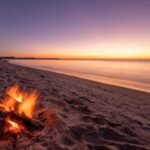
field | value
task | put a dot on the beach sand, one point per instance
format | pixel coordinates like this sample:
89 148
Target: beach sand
79 114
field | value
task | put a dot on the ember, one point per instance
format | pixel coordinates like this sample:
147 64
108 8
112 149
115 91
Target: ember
16 110
12 126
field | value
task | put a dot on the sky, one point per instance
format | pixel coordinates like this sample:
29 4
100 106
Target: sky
75 28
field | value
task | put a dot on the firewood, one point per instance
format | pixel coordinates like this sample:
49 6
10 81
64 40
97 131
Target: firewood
3 111
29 122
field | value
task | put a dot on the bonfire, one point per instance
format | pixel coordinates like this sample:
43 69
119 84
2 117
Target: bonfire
17 112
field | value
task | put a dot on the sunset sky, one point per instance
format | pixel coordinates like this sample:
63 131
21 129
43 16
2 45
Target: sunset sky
75 28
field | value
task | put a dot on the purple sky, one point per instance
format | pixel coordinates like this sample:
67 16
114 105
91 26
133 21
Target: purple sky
64 28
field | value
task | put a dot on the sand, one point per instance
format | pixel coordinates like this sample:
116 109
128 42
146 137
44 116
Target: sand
79 114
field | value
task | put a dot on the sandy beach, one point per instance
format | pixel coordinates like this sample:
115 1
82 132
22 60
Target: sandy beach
79 114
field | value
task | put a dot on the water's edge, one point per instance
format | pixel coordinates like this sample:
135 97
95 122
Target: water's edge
106 80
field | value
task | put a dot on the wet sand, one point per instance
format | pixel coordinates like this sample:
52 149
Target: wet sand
79 114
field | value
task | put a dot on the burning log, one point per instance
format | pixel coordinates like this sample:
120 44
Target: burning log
29 122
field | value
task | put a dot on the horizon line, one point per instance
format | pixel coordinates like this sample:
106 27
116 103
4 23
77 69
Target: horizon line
57 58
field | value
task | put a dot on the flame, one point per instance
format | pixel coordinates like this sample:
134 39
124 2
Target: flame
28 104
15 93
22 103
12 126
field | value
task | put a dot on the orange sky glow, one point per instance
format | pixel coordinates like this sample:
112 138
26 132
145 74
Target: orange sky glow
104 29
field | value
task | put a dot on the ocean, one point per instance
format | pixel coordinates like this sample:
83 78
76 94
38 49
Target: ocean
129 74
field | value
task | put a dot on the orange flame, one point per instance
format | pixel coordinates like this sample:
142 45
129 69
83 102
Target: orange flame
20 102
27 106
13 126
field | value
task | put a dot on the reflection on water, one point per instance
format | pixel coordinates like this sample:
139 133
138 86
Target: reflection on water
131 74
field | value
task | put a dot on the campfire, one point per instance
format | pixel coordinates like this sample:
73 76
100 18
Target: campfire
17 112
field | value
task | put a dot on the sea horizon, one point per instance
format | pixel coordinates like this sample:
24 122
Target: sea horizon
129 74
86 59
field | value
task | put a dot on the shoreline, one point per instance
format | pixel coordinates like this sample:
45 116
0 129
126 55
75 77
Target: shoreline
99 79
79 113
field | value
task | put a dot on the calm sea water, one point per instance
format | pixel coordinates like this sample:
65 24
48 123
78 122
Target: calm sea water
130 74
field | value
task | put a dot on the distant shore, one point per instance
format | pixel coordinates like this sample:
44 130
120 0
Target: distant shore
88 115
94 59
